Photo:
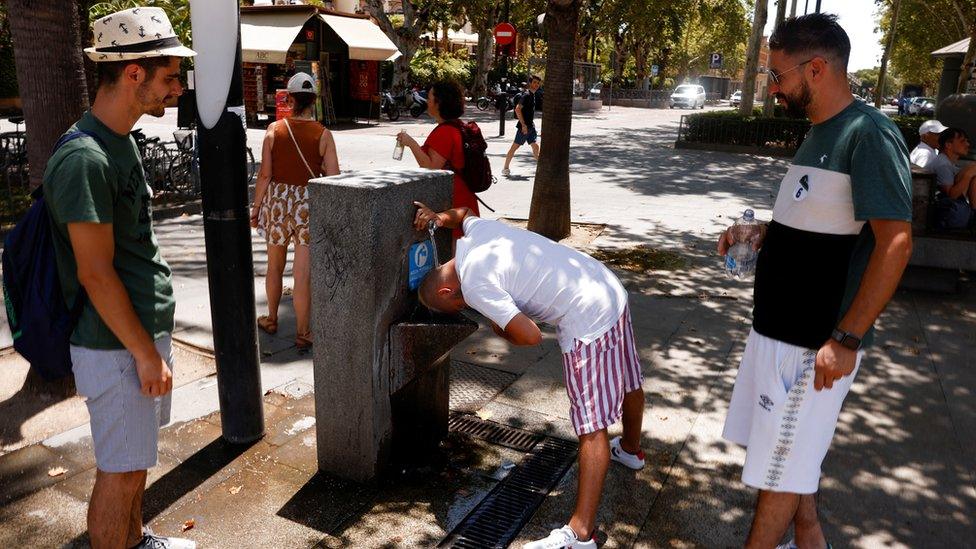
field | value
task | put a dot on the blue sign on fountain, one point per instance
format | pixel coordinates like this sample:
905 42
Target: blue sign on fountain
421 262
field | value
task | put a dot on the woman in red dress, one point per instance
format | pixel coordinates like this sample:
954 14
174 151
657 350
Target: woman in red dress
443 148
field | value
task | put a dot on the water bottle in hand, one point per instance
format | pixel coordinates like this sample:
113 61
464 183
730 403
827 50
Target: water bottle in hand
740 262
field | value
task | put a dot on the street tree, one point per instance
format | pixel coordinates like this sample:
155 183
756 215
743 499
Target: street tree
549 212
417 18
46 37
752 58
924 27
483 15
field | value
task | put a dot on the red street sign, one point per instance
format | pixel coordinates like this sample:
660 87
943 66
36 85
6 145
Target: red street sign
504 34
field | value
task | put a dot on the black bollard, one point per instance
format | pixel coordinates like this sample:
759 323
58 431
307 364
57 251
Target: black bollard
227 233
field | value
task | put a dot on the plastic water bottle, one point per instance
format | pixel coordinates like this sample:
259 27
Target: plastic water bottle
740 261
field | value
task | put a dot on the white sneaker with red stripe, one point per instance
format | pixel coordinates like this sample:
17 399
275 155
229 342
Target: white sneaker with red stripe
618 454
557 539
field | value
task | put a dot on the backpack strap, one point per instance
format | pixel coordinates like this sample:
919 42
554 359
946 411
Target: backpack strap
71 136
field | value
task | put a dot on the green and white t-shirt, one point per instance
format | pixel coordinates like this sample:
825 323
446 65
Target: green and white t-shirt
850 169
85 183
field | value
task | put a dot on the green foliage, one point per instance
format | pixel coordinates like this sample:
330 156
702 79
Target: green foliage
425 67
178 12
732 128
923 27
909 128
869 80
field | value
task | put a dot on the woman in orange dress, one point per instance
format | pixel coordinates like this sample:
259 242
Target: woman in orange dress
443 148
295 150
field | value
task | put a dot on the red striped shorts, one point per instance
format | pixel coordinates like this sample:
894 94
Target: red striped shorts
599 374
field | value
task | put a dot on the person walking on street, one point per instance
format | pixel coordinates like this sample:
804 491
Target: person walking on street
105 246
525 131
829 262
516 278
296 149
444 148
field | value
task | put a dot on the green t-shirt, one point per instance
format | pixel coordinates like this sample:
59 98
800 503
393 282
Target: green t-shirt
850 169
86 183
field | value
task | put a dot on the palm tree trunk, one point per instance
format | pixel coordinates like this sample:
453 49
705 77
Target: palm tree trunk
549 213
50 73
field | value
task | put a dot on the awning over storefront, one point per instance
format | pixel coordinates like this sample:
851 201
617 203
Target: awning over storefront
266 37
365 40
460 38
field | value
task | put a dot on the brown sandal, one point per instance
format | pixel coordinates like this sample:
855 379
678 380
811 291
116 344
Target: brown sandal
268 325
303 342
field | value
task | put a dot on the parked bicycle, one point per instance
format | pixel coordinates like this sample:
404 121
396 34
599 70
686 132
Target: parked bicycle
14 168
174 166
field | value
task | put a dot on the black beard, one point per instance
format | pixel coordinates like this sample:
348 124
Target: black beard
796 105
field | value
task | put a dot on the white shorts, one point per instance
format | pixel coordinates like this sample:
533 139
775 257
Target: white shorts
785 425
124 422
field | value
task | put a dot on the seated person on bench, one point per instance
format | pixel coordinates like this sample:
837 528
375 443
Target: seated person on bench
956 186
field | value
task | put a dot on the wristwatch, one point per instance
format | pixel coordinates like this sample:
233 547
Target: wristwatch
846 339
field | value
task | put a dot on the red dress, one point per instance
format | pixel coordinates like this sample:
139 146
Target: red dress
446 141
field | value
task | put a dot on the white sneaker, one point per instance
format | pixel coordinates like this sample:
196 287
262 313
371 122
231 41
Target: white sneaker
792 545
618 454
506 172
557 539
152 541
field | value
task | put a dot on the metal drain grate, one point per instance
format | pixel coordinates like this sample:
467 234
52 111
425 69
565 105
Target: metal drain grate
502 435
499 517
474 386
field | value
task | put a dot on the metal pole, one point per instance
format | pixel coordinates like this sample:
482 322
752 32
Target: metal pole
223 172
503 96
818 6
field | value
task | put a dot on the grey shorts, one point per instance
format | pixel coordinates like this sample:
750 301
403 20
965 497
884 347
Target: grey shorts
124 423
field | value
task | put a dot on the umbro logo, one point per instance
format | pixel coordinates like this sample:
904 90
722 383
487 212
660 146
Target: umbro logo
766 403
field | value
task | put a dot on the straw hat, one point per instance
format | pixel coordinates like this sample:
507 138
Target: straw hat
135 33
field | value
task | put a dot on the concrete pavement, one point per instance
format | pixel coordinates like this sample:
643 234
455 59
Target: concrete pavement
900 474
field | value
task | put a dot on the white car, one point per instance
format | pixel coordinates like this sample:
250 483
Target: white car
688 95
736 98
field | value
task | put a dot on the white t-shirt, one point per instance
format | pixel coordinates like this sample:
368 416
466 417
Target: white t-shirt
922 155
505 271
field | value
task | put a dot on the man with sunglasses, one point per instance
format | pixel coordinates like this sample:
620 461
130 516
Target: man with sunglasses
829 262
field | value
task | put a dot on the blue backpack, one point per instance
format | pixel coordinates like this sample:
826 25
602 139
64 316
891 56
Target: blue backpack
40 322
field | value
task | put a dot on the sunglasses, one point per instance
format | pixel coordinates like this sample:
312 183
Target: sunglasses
775 76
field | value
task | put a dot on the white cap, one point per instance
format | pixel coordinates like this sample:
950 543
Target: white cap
931 126
301 83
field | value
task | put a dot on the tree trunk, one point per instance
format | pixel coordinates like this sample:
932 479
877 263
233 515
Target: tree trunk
968 60
406 38
50 73
768 105
549 213
883 71
87 38
483 56
752 58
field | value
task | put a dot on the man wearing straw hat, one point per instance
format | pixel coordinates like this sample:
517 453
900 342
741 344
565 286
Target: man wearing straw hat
105 246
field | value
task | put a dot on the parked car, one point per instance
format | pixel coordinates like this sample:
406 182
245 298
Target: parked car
927 108
736 98
688 95
916 103
595 90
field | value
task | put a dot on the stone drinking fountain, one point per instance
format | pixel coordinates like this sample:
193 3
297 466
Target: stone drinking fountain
381 361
